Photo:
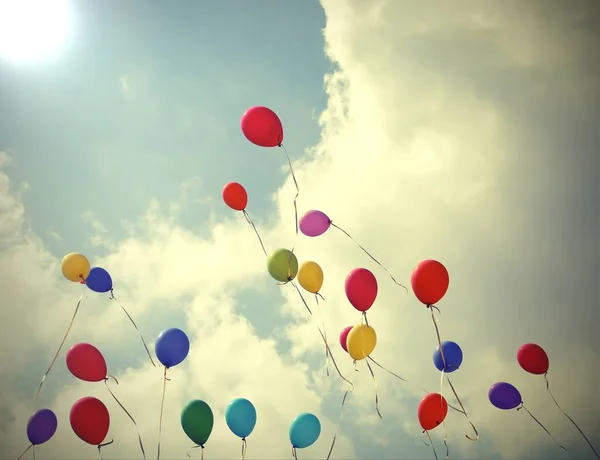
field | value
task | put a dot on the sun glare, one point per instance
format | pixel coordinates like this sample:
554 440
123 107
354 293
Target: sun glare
33 30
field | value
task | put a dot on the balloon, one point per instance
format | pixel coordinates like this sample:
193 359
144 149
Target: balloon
75 267
310 277
453 355
430 281
86 363
344 337
262 127
197 421
504 396
282 265
240 416
172 347
99 280
305 430
432 411
361 288
361 341
41 426
314 223
90 420
235 196
533 359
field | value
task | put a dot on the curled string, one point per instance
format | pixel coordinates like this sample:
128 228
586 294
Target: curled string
464 412
162 406
437 333
346 393
112 297
570 419
294 453
295 211
367 253
126 412
244 448
522 406
61 345
100 446
251 222
376 392
27 450
431 444
445 441
324 332
196 447
323 337
383 368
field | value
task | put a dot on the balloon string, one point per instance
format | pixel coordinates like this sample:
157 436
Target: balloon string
387 370
112 297
294 453
449 405
61 345
522 406
244 448
445 440
162 406
126 412
26 450
439 340
323 337
324 333
290 277
100 446
376 391
196 447
431 444
346 393
367 253
570 419
464 411
33 451
251 222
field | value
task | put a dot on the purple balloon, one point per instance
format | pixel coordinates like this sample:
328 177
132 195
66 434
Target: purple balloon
314 223
504 396
41 426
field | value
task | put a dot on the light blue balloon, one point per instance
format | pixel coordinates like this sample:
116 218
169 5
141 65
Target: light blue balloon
240 416
304 431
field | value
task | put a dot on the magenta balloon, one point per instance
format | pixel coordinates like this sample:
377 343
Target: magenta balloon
314 223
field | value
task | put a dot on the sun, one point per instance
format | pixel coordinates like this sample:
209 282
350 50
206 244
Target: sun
33 30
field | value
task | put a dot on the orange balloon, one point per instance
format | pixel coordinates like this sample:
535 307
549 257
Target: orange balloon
235 196
430 281
432 411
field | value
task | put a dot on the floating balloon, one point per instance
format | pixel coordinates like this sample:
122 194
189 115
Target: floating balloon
361 288
282 265
504 396
262 127
41 426
90 420
86 363
533 359
430 281
172 347
235 196
432 411
314 223
99 280
452 354
361 341
197 421
344 337
310 277
304 431
75 267
240 416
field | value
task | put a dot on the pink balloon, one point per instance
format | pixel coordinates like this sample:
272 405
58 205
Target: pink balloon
314 223
344 337
361 288
262 127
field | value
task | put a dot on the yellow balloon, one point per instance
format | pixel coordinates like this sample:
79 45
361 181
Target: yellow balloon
361 341
75 267
310 277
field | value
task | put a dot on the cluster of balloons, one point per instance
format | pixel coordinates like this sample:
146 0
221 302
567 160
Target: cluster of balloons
76 268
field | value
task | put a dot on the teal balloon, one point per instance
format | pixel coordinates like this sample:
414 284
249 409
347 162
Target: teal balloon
304 431
240 416
197 421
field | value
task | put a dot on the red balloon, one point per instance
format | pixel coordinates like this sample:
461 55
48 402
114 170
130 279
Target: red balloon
344 337
86 363
90 420
235 196
533 359
430 281
262 127
432 411
361 288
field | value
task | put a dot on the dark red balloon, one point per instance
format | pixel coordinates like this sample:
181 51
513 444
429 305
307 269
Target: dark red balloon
432 411
90 420
361 288
262 127
86 363
344 337
235 196
533 359
430 281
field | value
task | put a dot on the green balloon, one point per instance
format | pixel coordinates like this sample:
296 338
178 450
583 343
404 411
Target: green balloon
197 421
278 264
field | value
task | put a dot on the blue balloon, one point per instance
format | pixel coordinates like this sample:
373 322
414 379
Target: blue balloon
304 431
453 355
99 280
172 347
240 416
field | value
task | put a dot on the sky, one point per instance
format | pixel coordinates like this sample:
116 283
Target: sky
465 133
